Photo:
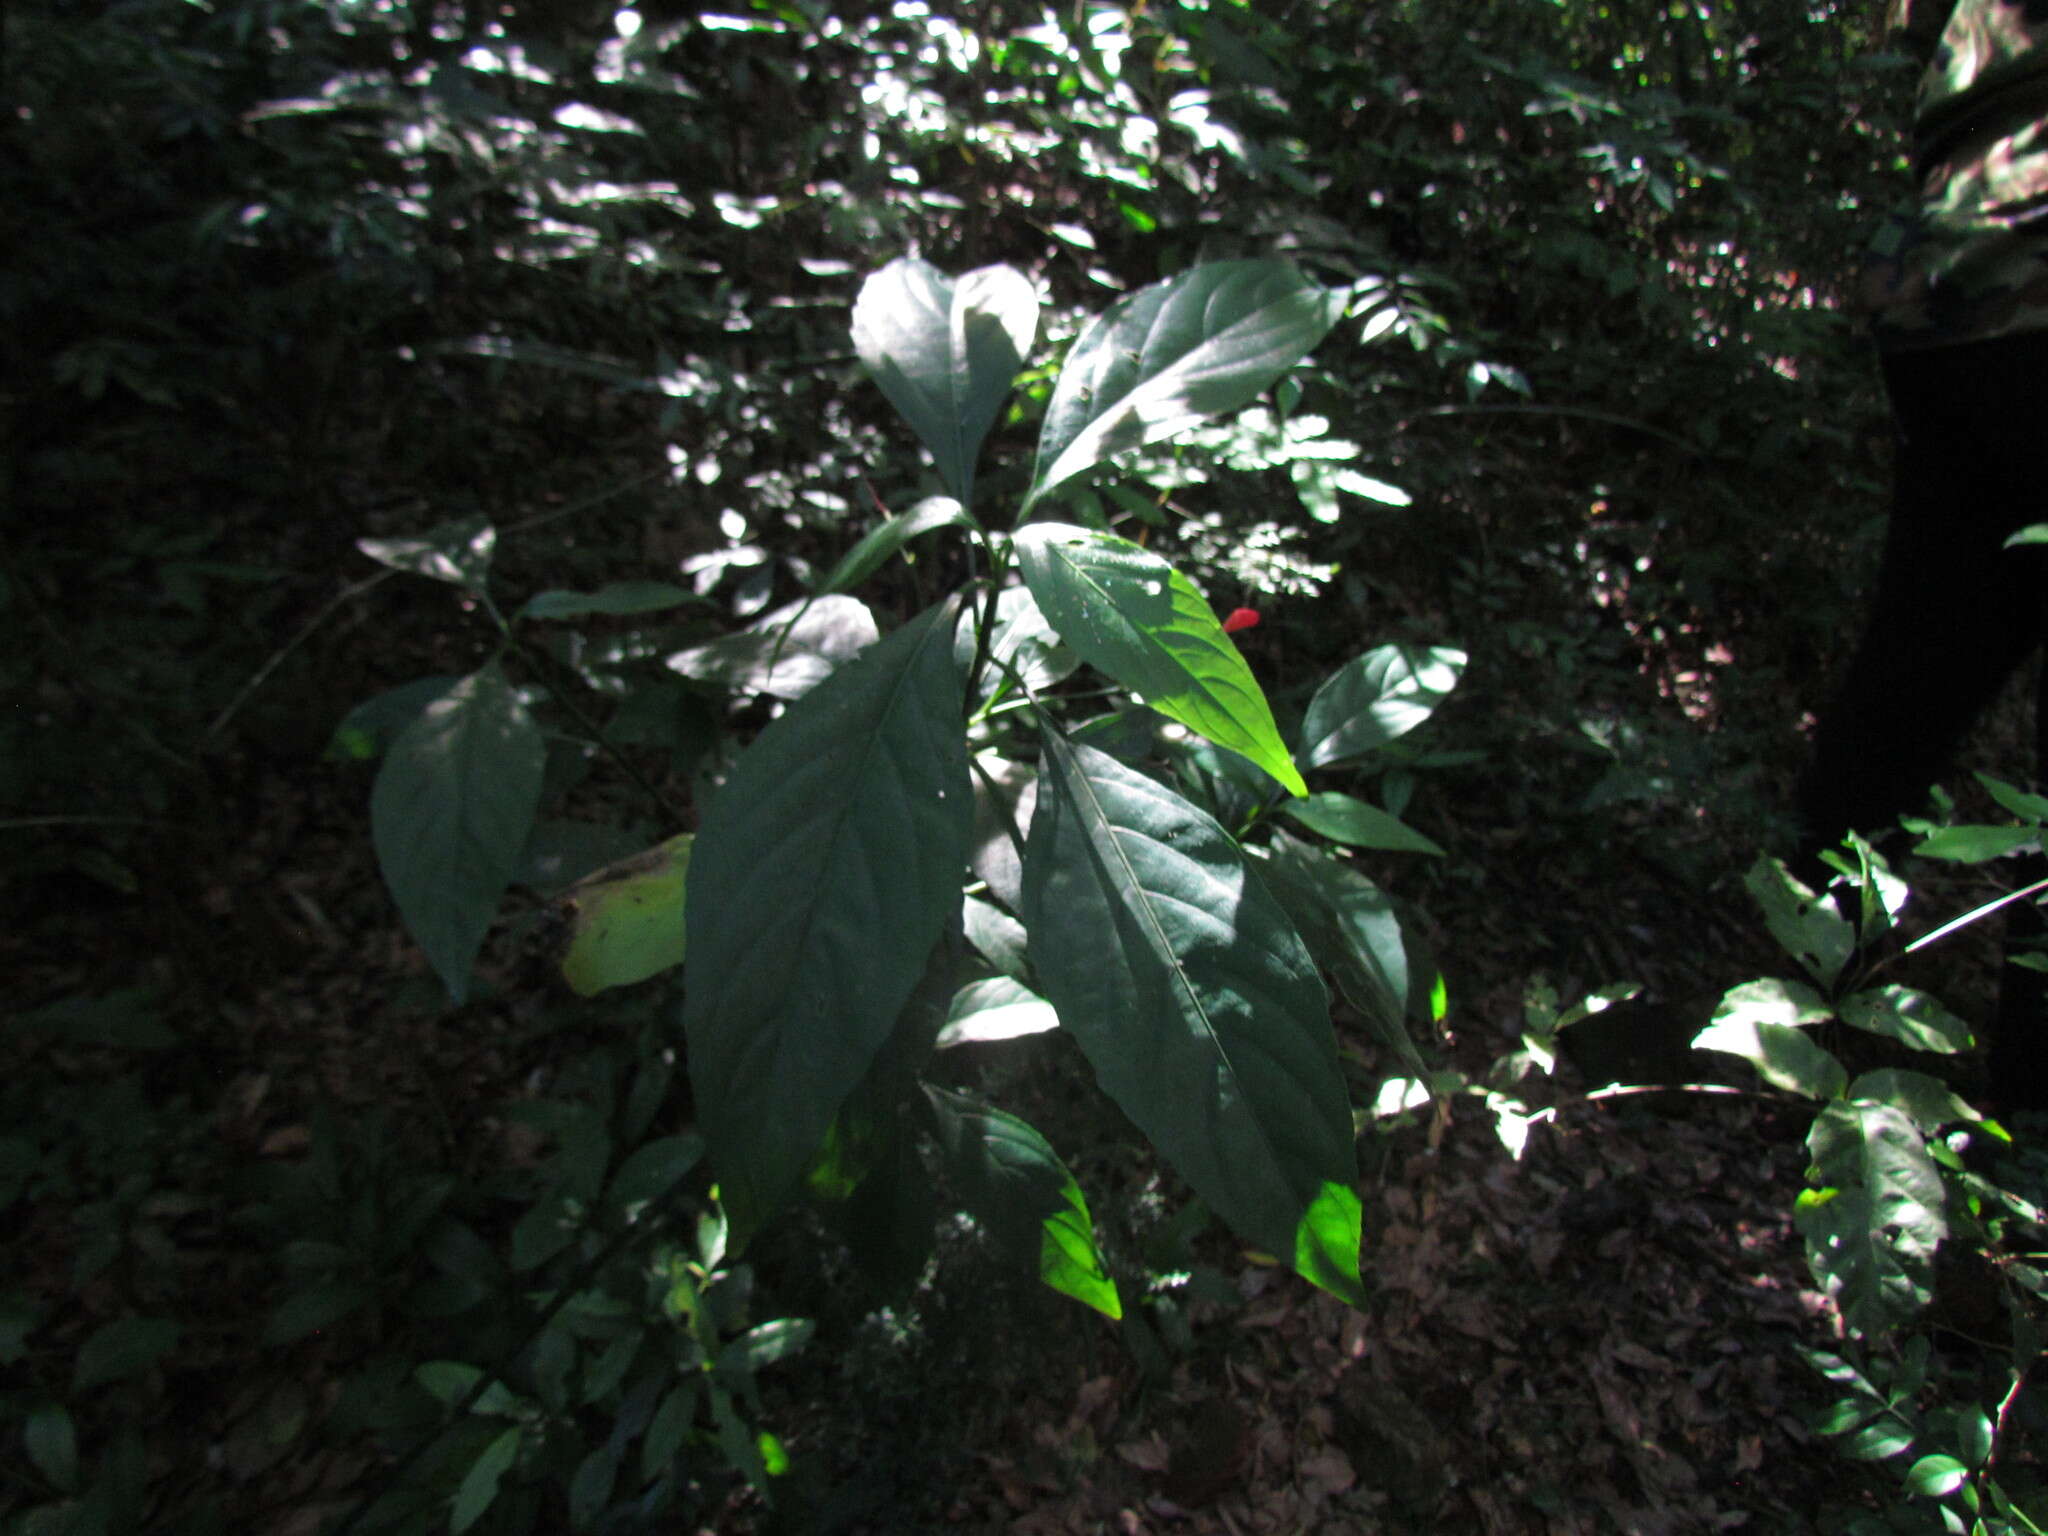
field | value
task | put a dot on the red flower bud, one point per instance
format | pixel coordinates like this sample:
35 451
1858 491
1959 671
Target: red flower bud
1241 618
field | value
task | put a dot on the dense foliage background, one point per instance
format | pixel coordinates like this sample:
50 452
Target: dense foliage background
281 276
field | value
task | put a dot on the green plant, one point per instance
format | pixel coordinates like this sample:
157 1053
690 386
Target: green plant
1117 893
1896 1218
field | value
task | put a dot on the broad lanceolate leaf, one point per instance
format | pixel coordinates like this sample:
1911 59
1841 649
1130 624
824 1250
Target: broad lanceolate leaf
878 544
1806 926
1783 1056
1010 1178
1909 1016
450 813
945 353
1351 929
1871 1234
1374 698
819 884
627 919
1133 616
786 654
1347 819
1157 362
1195 1000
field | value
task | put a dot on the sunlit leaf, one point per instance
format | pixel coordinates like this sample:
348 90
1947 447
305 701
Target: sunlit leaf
1908 1016
945 353
626 920
1806 926
998 1008
1132 615
1872 1231
1010 1177
786 654
457 552
1165 357
820 881
1374 698
879 543
1192 995
1746 1025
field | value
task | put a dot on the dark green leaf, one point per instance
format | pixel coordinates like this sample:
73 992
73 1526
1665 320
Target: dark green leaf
1929 1101
1133 616
1350 927
1346 819
1165 357
1374 698
618 597
479 1489
51 1440
651 1171
368 730
1192 996
450 814
1010 1178
317 1307
829 865
665 1434
945 353
768 1343
878 544
125 1347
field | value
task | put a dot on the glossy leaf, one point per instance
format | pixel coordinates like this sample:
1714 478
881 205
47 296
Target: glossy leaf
618 598
1374 699
786 654
1347 819
1010 1178
945 353
1871 1234
1165 357
458 553
1975 845
1806 926
1192 995
450 813
1783 1055
1909 1016
1927 1100
1132 615
1350 927
879 543
997 1008
626 920
822 878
